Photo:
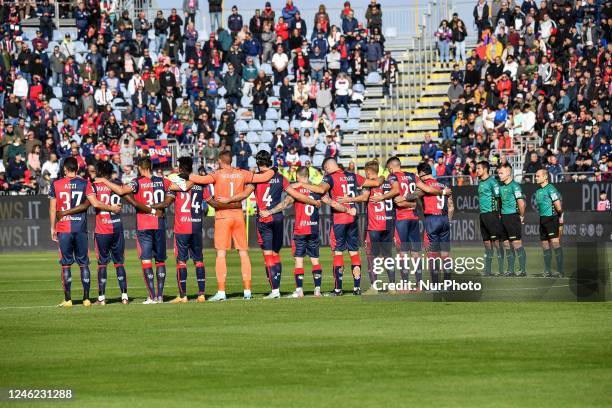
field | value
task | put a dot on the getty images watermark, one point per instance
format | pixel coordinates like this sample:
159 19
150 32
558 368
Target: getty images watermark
443 267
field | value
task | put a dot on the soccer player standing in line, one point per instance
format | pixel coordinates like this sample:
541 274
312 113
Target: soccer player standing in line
491 228
438 212
71 230
108 237
269 228
151 229
189 207
408 238
344 234
229 223
548 201
512 213
380 225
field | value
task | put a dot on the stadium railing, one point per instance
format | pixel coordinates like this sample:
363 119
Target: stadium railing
414 69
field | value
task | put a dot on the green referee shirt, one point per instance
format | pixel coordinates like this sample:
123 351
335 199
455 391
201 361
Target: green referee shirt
545 197
488 193
510 194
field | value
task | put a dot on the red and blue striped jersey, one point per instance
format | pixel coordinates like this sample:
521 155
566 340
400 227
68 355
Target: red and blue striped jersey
107 222
380 214
306 215
435 204
268 195
407 184
189 208
70 192
150 191
343 184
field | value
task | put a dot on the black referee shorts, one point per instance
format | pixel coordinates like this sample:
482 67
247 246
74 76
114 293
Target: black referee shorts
512 226
549 227
491 227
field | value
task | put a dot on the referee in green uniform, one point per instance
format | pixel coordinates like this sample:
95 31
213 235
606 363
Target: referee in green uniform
548 201
491 228
512 214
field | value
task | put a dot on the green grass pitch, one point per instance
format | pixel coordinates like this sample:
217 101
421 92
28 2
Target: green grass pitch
307 352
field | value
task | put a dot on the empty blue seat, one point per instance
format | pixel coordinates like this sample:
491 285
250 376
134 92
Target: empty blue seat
340 123
267 69
265 137
354 113
296 124
245 101
283 124
341 113
352 125
263 146
317 160
252 162
55 104
269 124
241 126
373 78
358 88
321 147
271 114
252 137
255 125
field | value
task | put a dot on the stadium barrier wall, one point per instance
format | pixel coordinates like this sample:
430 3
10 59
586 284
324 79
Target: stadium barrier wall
24 220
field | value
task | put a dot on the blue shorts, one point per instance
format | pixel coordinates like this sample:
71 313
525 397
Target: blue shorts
379 243
270 235
151 244
344 237
306 245
73 247
110 246
437 228
408 235
188 246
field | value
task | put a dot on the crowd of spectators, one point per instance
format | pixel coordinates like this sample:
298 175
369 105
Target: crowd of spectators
270 80
535 91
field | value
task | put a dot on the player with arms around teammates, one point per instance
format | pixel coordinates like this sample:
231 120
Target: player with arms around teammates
150 228
189 208
438 210
408 237
491 227
229 223
512 215
70 232
344 234
548 201
380 220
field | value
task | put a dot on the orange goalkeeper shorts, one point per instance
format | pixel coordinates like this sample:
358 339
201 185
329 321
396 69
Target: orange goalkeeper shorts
228 229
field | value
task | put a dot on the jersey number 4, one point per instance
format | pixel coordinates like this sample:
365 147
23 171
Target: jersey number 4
195 203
